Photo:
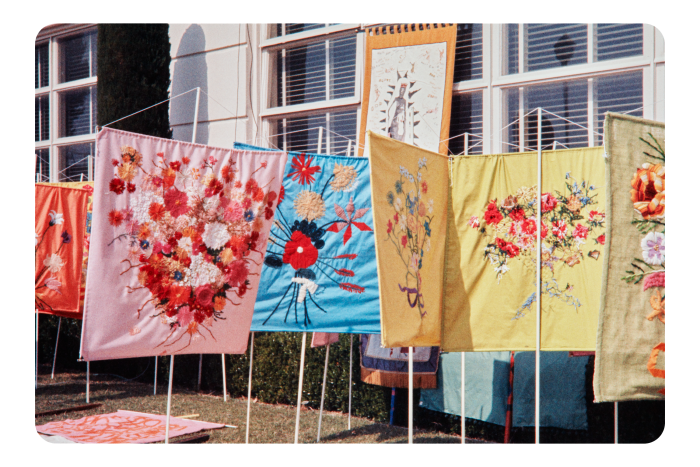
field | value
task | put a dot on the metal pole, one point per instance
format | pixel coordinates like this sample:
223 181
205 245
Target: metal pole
349 148
199 374
87 385
323 393
350 387
391 411
320 139
250 385
155 377
539 274
36 353
55 350
463 423
616 438
196 117
170 396
301 385
410 395
466 143
223 372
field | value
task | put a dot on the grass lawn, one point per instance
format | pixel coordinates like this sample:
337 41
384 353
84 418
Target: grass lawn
268 423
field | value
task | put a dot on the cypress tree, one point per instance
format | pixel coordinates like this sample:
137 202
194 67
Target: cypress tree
133 70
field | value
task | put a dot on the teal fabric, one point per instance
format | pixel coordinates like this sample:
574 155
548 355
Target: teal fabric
562 393
338 291
485 386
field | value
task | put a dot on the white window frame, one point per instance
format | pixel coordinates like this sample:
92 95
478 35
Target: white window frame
53 37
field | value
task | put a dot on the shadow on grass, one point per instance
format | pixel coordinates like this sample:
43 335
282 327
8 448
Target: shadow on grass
389 434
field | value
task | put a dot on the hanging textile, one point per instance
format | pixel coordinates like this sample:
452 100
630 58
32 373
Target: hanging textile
409 196
123 426
490 267
89 187
59 219
389 366
485 386
179 237
562 390
322 339
629 359
320 271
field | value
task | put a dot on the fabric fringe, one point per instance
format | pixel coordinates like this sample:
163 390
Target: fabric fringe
399 380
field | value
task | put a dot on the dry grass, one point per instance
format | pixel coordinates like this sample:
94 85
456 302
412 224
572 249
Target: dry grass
268 423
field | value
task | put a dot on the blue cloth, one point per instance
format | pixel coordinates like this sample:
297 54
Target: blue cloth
320 272
485 386
562 393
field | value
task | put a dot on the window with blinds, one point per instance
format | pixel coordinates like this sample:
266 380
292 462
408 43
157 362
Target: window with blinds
512 47
41 66
41 172
78 57
618 41
566 109
41 118
315 72
73 161
467 117
78 111
302 133
469 56
292 28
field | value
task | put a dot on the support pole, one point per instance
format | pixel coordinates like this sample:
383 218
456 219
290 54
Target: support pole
349 148
323 393
36 353
301 385
250 385
155 377
320 140
463 424
55 350
223 374
410 395
616 438
539 274
393 402
466 144
196 117
87 385
170 395
199 374
350 387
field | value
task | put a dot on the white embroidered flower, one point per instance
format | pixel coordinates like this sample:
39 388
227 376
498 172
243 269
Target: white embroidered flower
474 222
654 248
215 235
502 269
56 218
53 262
201 272
140 204
185 243
398 204
430 206
402 222
427 244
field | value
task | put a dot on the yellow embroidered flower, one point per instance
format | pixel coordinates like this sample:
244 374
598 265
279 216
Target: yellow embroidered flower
573 204
649 191
344 176
226 256
127 171
309 205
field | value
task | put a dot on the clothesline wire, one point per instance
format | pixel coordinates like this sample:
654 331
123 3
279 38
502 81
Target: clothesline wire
150 107
75 163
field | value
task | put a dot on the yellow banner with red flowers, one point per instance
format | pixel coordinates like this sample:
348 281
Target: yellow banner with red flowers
409 202
629 360
490 301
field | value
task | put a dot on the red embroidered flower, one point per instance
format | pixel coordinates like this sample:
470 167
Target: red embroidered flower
227 173
214 187
269 213
204 295
130 187
544 230
89 189
177 295
581 231
559 228
176 202
115 162
529 226
246 203
251 187
156 211
493 216
512 250
236 273
390 226
601 239
517 214
424 186
160 154
549 202
175 165
279 200
186 160
299 252
303 171
116 217
404 241
117 186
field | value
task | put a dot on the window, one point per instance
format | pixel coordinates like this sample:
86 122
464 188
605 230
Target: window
467 112
292 28
469 55
65 102
302 133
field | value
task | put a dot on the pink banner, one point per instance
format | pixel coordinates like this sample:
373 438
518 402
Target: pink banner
178 236
321 339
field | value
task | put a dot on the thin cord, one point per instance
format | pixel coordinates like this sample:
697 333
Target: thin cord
142 110
222 105
75 163
567 120
250 88
238 79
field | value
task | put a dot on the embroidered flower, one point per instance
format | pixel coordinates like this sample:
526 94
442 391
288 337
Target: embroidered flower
117 186
657 279
249 216
53 284
654 248
390 226
573 204
233 212
66 237
549 202
56 218
474 222
402 222
54 262
398 204
424 186
390 198
430 206
349 218
116 217
204 295
493 217
517 214
127 171
309 205
184 316
648 192
601 239
303 172
398 187
215 235
559 228
343 176
404 240
581 232
176 202
156 211
510 202
299 252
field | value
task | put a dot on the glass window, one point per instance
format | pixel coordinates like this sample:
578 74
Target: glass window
301 133
302 76
469 57
617 93
291 28
42 165
78 111
467 111
74 162
41 66
41 118
78 57
618 41
512 44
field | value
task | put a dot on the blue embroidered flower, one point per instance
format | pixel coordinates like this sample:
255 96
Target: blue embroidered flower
568 174
591 187
177 276
585 200
249 216
144 244
427 228
422 163
420 264
410 204
398 187
390 198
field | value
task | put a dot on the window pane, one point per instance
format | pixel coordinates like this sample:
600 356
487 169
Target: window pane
512 131
41 66
42 165
342 79
512 39
469 52
618 93
79 110
467 117
343 128
74 161
306 74
617 41
301 133
41 118
78 57
291 28
555 45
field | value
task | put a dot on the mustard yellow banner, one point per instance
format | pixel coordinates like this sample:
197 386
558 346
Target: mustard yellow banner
491 253
409 199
